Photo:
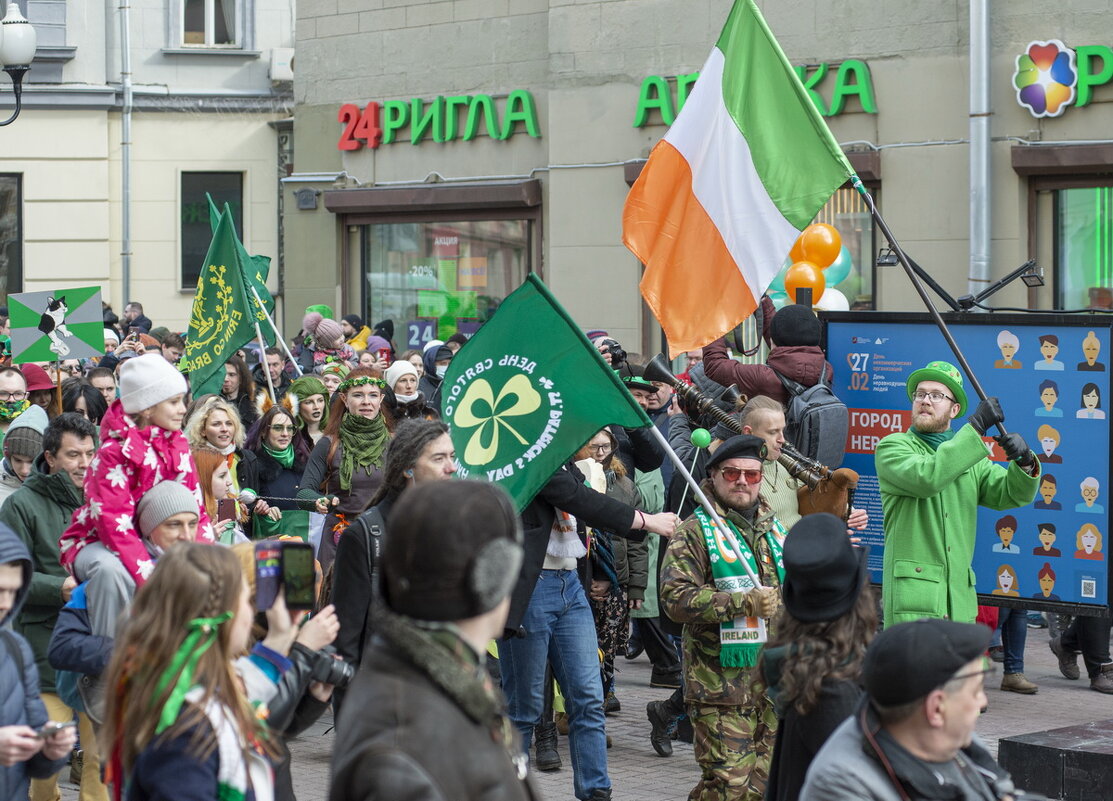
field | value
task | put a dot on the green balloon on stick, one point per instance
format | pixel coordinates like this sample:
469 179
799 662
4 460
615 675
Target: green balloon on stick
701 437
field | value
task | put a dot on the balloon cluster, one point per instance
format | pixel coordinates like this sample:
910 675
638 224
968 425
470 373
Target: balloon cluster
817 261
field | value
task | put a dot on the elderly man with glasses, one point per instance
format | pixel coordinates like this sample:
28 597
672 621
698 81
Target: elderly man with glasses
706 588
932 481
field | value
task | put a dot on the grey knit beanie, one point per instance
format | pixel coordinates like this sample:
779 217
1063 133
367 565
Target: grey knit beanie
163 500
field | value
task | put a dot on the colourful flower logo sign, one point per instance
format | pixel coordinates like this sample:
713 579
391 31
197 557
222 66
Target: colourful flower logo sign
1045 78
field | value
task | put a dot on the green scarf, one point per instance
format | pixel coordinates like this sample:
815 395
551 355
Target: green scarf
364 440
934 440
284 457
740 639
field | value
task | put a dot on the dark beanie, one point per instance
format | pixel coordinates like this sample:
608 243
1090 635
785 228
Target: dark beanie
354 320
795 325
25 442
453 550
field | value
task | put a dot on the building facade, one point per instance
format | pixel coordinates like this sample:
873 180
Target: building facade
445 147
210 87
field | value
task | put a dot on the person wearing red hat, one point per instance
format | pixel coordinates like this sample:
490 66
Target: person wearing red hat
40 389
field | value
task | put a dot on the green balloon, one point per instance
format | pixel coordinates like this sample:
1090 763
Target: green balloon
839 269
701 437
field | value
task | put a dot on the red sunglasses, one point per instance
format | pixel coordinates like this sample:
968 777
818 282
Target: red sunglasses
732 474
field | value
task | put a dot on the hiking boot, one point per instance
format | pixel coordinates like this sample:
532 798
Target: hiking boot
1017 683
1068 660
545 741
1103 682
77 764
659 728
684 731
997 653
665 681
562 723
611 704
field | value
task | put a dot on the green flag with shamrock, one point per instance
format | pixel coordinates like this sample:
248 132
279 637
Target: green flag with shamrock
221 320
526 391
255 272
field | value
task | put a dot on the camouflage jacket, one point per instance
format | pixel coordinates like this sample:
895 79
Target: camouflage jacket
689 597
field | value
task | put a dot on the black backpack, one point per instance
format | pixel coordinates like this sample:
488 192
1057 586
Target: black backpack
817 422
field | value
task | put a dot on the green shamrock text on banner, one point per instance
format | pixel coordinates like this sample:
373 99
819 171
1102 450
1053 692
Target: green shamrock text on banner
518 404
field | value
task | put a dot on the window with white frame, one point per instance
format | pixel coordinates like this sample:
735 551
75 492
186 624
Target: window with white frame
210 23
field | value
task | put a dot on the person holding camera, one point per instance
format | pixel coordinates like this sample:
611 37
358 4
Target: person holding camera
423 718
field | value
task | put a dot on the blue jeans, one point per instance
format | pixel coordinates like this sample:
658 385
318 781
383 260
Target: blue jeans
1013 625
560 629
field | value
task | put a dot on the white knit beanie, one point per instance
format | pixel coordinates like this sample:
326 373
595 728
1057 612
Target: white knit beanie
397 370
148 380
165 499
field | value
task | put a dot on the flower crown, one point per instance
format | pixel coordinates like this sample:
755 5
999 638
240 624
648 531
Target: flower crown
361 381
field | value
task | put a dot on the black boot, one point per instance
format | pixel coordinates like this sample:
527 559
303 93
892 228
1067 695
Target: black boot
545 741
660 723
601 795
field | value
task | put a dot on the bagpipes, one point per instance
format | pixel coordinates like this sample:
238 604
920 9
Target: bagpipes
824 490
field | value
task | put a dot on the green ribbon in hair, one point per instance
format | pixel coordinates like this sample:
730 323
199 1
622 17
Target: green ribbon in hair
202 633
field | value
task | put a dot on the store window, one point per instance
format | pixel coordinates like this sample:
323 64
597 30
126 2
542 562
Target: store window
848 213
210 23
196 230
1084 247
434 279
11 235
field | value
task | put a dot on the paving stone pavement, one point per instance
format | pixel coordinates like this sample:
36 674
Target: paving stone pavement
638 774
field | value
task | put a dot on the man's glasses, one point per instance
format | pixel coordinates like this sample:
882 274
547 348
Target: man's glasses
934 397
12 396
732 474
283 429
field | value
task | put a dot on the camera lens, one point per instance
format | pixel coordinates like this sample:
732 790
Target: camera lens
329 670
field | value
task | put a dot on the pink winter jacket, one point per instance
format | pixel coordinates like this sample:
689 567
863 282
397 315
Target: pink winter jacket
129 462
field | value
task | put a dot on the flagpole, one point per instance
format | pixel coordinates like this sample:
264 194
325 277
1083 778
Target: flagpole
706 504
902 257
263 354
277 333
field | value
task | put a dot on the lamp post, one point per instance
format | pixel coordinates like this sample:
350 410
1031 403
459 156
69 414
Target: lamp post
17 51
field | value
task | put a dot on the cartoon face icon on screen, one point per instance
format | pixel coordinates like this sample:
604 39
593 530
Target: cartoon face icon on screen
1091 349
1090 489
1048 487
1007 583
1047 541
1049 396
1049 347
1008 343
1088 540
1049 441
1046 578
1006 530
1090 406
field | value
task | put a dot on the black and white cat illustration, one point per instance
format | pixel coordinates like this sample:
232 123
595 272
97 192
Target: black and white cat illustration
53 322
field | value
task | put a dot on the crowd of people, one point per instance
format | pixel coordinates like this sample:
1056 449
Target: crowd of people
455 638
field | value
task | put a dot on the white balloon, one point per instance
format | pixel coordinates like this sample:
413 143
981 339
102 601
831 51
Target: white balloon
833 300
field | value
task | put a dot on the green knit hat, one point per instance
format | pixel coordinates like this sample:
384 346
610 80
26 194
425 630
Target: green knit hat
943 372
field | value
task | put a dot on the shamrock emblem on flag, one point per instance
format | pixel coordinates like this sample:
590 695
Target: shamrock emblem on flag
483 410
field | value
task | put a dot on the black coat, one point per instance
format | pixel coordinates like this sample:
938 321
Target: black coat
418 725
275 481
567 491
351 584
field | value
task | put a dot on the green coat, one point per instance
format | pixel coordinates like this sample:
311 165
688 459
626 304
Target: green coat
38 512
931 501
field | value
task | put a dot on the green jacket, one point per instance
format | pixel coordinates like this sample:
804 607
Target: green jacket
689 596
39 511
931 501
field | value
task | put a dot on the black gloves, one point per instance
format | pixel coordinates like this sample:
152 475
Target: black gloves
1016 449
987 415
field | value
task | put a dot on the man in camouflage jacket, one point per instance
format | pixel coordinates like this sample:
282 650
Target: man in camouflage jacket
734 726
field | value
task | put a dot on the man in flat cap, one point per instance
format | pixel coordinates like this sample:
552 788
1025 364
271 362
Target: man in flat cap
706 588
932 481
913 734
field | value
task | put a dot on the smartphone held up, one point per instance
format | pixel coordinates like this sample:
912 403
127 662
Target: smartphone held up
287 565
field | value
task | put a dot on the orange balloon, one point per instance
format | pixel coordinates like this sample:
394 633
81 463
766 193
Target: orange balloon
820 244
797 252
805 275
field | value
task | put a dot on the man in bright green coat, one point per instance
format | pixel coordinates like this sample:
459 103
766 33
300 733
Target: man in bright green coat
932 482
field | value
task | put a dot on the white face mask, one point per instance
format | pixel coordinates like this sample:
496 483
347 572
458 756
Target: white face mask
441 370
407 398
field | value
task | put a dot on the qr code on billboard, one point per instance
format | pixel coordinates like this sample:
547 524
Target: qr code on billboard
1089 588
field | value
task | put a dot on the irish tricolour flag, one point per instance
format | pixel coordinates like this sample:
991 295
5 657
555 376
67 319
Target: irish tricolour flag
744 169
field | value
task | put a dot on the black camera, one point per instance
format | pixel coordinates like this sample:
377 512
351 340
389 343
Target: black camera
329 670
617 354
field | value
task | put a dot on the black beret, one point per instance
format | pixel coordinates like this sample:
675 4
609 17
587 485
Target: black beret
907 661
740 446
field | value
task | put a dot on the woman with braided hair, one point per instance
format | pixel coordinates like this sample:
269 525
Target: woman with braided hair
345 468
180 722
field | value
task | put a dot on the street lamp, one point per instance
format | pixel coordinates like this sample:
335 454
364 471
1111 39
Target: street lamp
17 51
